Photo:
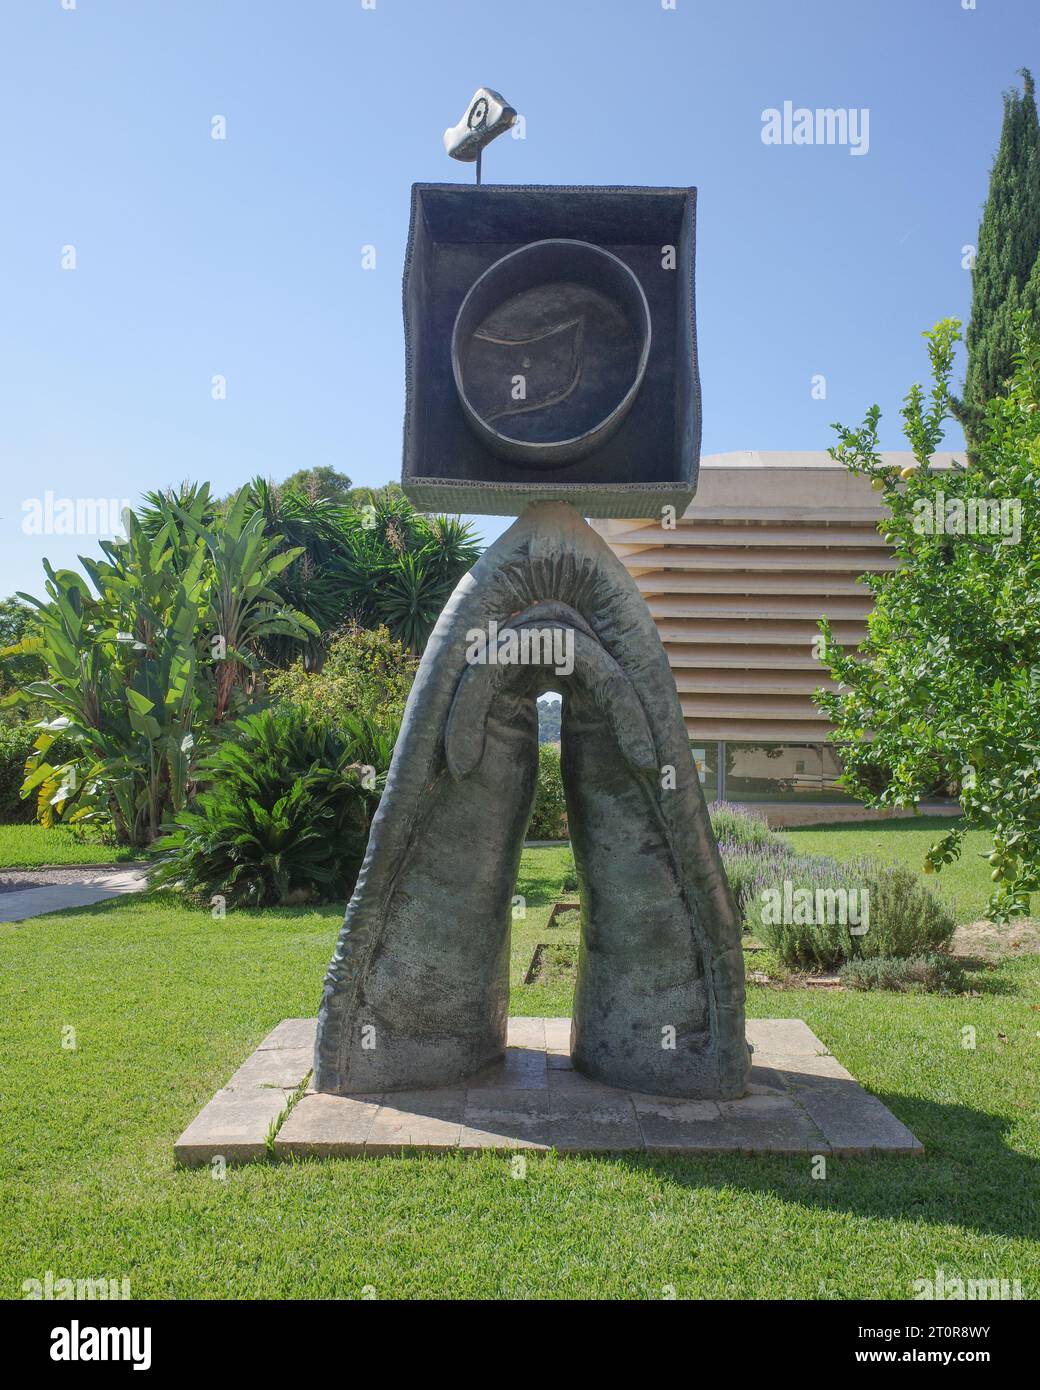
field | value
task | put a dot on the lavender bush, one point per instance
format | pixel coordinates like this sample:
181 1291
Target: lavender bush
815 912
739 825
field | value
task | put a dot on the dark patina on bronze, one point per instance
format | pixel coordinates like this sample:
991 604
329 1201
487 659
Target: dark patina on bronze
549 351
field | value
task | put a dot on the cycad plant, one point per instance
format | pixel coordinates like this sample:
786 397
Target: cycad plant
284 814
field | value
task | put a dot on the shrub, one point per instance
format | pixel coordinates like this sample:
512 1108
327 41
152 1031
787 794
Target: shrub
784 907
944 688
17 744
145 657
935 973
901 917
549 817
285 813
366 672
569 882
750 868
906 918
738 825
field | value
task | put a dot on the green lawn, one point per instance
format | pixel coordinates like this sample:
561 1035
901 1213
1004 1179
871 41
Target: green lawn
167 1002
28 846
965 884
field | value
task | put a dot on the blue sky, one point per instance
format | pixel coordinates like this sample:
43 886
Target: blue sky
243 257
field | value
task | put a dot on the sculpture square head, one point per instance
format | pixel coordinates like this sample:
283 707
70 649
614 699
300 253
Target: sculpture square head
551 349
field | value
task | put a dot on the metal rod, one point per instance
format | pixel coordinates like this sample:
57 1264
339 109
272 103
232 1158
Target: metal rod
479 153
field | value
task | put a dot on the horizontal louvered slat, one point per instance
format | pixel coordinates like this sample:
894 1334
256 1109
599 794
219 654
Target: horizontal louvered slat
708 655
753 706
741 582
716 680
755 631
737 587
850 561
749 534
767 606
755 731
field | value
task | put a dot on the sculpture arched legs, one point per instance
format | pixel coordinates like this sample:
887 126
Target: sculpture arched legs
417 990
641 1018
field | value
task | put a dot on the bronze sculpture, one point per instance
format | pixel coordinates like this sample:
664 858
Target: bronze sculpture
549 374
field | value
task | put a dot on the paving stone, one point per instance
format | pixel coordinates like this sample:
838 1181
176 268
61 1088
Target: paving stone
526 1032
581 1124
506 1118
576 1083
854 1121
327 1126
587 1099
765 1081
292 1032
558 1036
772 1124
678 1111
800 1100
790 1069
670 1126
284 1067
522 1069
417 1119
765 1105
790 1036
526 1100
234 1125
476 1138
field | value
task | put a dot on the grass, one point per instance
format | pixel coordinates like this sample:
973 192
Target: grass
965 884
166 1002
29 846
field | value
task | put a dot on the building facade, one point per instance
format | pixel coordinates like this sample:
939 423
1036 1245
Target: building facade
771 543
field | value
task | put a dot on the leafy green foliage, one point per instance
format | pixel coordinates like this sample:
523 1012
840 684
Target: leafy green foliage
550 713
550 807
146 658
569 881
315 527
18 669
320 484
17 749
946 687
815 911
399 567
887 912
737 826
365 671
285 812
933 974
965 885
244 607
906 918
369 563
361 556
1006 274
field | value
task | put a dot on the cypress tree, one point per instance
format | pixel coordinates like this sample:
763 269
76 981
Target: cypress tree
1006 275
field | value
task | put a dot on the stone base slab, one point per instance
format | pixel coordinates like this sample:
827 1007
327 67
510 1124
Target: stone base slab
800 1101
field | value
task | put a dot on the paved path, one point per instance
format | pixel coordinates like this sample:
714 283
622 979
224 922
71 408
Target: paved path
55 897
800 1100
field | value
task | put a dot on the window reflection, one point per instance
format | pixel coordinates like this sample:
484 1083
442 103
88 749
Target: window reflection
706 759
782 772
